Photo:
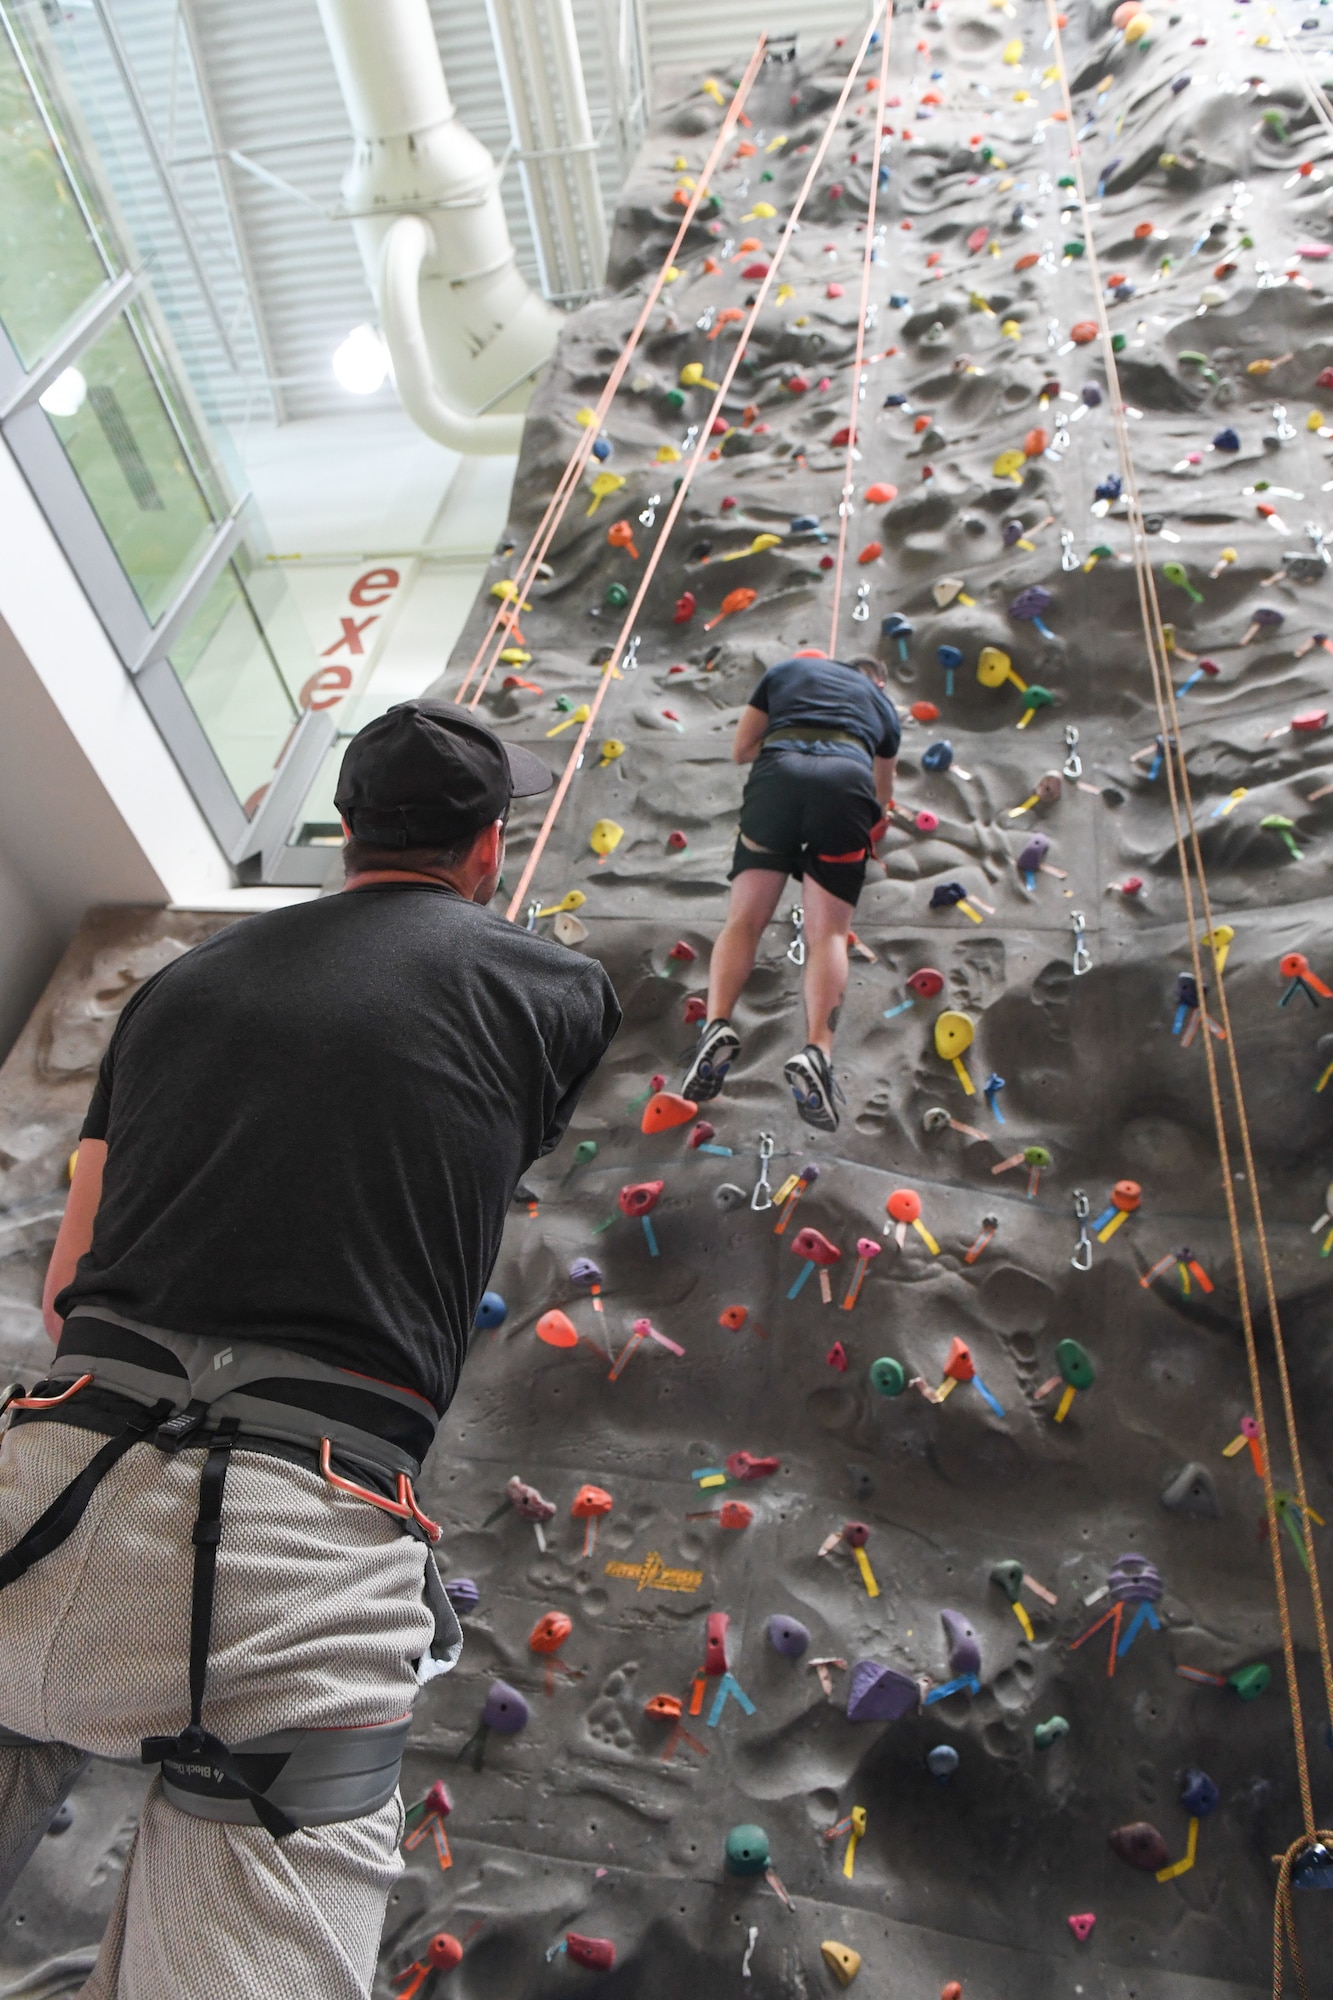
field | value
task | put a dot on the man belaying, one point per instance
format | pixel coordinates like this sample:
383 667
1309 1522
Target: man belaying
290 1190
823 738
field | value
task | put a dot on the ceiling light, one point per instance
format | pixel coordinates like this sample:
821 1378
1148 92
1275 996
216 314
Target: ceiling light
65 397
361 363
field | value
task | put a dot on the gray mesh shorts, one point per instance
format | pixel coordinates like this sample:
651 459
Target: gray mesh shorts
318 1619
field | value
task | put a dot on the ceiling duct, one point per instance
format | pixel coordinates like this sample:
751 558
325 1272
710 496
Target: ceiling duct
465 333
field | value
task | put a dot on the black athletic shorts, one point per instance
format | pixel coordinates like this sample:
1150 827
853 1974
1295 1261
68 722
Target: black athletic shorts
812 812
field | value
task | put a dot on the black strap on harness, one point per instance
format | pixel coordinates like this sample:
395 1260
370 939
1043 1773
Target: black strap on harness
62 1517
196 1745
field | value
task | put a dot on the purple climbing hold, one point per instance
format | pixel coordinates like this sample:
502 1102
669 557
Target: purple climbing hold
1142 1846
879 1694
584 1272
462 1593
1033 602
504 1709
787 1636
1227 440
1134 1580
1092 395
1034 853
964 1645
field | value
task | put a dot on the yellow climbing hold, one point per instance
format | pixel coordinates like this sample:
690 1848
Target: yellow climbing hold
692 376
602 485
611 749
776 145
1315 421
605 837
712 88
1013 52
1140 26
585 416
507 590
670 275
666 454
785 292
1009 465
756 548
579 714
515 656
841 1960
763 211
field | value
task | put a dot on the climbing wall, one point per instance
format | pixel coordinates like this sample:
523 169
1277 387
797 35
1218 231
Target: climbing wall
910 1620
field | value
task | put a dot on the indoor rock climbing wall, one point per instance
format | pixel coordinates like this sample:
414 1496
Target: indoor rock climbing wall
802 1640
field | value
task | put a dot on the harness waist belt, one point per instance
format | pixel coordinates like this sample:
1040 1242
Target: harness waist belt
811 735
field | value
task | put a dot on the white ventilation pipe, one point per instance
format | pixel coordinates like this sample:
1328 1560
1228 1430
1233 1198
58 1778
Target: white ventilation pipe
465 333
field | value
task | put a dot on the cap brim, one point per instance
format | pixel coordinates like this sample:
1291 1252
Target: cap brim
527 774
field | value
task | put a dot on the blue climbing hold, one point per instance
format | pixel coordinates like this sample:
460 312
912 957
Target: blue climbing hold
602 448
1227 440
1199 1795
942 1761
1110 487
937 756
490 1312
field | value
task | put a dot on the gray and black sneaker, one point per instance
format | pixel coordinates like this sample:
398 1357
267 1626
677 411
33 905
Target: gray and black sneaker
813 1085
719 1046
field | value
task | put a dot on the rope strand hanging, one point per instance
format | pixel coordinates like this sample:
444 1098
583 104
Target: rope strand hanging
692 465
506 613
1192 871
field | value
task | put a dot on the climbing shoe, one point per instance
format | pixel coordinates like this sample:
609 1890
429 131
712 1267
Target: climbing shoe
719 1046
810 1075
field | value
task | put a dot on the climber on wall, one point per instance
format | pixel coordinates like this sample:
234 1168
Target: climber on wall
290 1191
823 738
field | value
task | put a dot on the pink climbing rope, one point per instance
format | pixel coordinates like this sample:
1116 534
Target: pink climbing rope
858 387
692 464
506 613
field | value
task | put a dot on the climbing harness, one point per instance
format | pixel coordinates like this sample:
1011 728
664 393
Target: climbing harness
1194 884
143 1385
759 299
505 616
762 1197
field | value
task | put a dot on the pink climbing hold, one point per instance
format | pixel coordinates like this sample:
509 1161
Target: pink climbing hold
1083 1926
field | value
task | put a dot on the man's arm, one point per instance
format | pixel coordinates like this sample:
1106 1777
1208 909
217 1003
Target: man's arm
76 1228
749 735
886 771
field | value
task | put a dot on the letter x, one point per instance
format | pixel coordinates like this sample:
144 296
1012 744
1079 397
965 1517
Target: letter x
351 637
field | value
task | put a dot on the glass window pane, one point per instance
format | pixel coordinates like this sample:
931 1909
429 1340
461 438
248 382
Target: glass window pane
49 264
109 417
234 688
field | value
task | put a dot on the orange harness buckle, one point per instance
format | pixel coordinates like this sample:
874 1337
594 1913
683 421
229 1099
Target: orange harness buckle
404 1508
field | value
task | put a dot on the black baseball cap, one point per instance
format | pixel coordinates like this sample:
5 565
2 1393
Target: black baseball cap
426 773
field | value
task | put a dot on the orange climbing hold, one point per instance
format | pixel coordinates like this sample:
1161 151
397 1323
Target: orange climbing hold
733 1317
1027 260
557 1329
871 552
664 1110
734 601
1083 331
880 495
1035 443
621 536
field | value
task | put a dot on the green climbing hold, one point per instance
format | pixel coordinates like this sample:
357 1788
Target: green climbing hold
585 1150
1066 181
1046 1733
1075 248
1119 342
1009 1575
1190 357
1075 1367
617 595
987 154
1250 1682
888 1376
676 398
747 1850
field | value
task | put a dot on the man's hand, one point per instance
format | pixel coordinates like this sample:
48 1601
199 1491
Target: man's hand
75 1234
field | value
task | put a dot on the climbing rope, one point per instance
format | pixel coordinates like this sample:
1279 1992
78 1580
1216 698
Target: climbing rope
1314 92
1188 850
692 465
505 617
858 369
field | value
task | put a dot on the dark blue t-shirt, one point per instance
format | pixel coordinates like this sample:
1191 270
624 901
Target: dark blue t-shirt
826 694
